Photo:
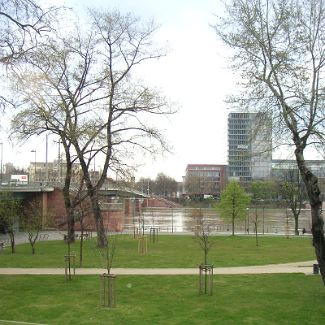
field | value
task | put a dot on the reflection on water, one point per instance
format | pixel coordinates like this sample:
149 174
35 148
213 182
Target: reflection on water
177 220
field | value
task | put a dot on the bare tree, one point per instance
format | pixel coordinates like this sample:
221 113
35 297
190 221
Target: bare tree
81 212
202 235
202 229
80 88
33 219
164 185
292 190
123 44
50 86
279 51
107 285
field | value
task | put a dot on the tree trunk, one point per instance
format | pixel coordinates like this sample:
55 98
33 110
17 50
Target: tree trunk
66 194
314 195
296 217
318 236
12 241
71 224
81 242
92 191
101 237
70 215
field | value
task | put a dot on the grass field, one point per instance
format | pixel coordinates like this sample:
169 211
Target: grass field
251 299
262 299
169 251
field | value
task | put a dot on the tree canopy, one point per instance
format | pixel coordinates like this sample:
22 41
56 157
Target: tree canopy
233 203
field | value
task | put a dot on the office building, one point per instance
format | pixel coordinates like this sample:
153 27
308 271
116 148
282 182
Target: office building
204 179
287 170
249 147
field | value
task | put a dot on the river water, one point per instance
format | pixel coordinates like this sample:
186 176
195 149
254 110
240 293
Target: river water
180 220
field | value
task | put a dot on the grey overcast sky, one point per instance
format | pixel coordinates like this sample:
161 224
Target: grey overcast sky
194 74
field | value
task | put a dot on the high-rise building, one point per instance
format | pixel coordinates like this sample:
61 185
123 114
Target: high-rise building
249 146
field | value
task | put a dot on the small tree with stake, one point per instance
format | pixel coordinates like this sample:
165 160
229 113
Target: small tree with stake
202 235
256 222
81 212
107 280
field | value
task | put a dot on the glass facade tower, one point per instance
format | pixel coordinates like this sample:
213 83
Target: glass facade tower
249 147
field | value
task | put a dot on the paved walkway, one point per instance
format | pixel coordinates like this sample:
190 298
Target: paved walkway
298 267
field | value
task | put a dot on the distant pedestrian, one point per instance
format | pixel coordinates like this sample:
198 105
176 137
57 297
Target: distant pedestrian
304 231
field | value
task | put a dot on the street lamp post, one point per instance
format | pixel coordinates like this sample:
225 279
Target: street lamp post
34 164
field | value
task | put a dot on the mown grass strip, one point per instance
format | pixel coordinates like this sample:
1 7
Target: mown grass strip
169 251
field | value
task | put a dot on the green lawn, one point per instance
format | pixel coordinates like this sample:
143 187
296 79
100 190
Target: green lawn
169 251
251 299
261 299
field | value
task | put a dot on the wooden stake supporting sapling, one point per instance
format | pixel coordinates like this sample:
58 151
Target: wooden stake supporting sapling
107 294
154 234
202 235
206 279
142 244
69 263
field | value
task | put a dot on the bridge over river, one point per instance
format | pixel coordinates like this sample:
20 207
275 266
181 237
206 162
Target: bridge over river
23 190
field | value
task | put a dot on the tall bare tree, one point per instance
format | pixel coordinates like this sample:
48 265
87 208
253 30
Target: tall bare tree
123 44
55 94
81 89
279 50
